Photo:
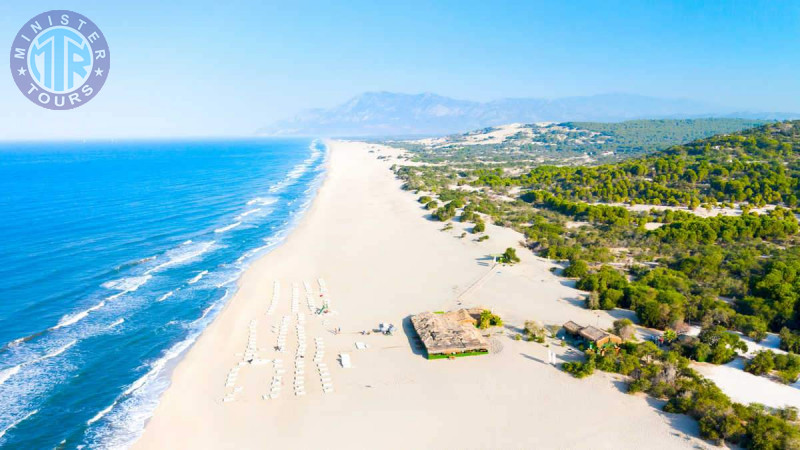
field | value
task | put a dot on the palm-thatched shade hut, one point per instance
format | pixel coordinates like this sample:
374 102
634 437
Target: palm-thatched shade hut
592 334
446 335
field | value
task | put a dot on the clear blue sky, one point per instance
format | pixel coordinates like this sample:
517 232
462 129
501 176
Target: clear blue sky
226 67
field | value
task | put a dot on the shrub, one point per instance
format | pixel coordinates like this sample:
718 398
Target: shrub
624 328
483 238
577 269
580 369
534 329
431 205
487 319
479 227
424 199
610 298
509 256
761 364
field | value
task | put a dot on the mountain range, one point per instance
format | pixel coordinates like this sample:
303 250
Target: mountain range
394 114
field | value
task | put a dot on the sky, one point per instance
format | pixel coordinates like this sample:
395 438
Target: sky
226 68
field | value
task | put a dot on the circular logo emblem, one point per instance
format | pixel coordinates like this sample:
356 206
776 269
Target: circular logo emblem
60 59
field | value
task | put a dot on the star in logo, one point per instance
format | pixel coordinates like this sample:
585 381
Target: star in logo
98 72
22 71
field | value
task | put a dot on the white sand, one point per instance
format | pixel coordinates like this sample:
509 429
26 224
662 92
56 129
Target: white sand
383 261
747 388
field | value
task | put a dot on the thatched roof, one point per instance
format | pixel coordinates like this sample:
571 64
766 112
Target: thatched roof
572 327
442 334
593 333
464 316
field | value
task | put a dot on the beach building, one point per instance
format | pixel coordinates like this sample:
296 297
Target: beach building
450 334
592 334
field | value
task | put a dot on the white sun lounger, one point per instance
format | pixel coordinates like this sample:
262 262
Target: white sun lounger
344 358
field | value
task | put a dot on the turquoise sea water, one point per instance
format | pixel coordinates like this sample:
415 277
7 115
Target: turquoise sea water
113 258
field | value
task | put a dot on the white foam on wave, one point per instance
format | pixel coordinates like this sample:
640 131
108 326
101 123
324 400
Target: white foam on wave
57 351
71 319
102 413
198 277
300 169
165 296
227 227
116 323
184 253
5 374
137 402
263 201
247 213
24 418
127 284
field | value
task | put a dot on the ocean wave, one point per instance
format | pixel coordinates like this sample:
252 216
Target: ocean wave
300 169
198 277
137 262
184 253
56 352
127 284
137 402
166 296
247 213
116 323
24 418
227 227
71 319
5 374
102 413
263 201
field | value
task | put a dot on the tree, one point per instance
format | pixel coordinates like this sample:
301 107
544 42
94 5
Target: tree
509 256
761 364
487 319
576 269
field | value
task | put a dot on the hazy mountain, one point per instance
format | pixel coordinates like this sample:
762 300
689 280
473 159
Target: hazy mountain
392 114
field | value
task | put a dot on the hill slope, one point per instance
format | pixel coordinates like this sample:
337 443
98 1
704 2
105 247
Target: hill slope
392 114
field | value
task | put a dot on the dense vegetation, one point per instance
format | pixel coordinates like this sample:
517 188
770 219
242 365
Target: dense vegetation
562 142
637 136
666 375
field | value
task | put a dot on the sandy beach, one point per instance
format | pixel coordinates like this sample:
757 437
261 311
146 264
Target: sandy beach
380 259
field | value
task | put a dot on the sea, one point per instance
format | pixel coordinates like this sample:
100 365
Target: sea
114 256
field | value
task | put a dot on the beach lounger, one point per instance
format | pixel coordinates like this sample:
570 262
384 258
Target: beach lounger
344 358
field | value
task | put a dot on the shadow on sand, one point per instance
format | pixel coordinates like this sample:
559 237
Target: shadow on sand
413 338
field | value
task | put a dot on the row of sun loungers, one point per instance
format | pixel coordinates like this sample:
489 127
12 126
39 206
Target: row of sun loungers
299 361
276 293
248 357
312 307
277 378
281 328
295 298
322 368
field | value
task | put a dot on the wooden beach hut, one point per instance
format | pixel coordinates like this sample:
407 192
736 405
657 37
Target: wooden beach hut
444 335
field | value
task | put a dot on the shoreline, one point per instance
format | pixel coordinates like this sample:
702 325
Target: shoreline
173 355
381 262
